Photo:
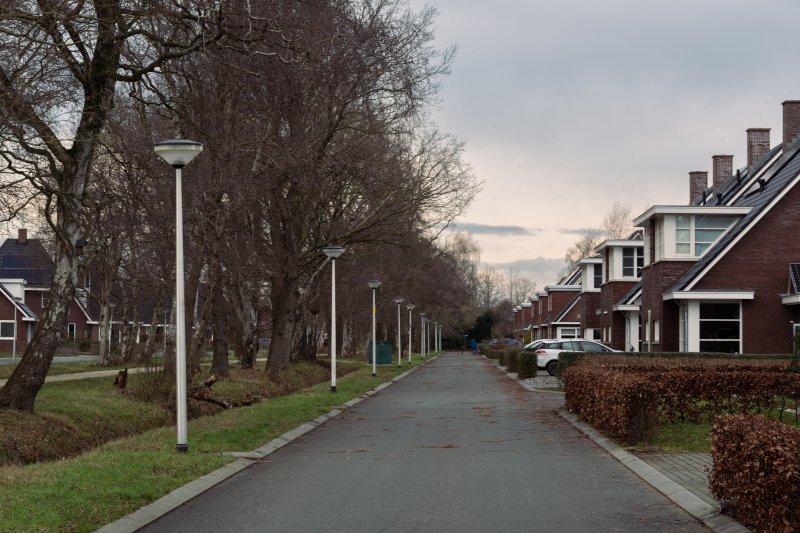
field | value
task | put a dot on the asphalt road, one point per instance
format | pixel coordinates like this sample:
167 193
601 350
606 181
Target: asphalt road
454 447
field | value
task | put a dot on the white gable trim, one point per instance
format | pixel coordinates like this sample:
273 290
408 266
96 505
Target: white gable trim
709 295
742 233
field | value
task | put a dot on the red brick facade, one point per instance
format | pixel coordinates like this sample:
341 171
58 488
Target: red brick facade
610 294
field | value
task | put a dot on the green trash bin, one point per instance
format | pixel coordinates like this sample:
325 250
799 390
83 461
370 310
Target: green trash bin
383 352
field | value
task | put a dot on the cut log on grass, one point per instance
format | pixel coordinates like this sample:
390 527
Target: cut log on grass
121 380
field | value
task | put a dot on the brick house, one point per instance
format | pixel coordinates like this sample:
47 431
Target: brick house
720 273
26 270
588 306
558 312
622 262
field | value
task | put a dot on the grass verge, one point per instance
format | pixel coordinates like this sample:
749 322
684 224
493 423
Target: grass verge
93 489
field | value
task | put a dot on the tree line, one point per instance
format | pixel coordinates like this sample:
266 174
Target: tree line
315 121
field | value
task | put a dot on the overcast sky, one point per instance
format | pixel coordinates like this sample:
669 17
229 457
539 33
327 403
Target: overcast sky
567 106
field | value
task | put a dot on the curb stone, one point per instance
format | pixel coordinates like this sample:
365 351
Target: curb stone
153 511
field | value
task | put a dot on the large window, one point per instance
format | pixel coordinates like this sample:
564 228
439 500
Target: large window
7 329
632 262
694 235
568 333
720 327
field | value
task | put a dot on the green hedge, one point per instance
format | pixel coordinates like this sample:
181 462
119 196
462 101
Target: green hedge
494 353
526 364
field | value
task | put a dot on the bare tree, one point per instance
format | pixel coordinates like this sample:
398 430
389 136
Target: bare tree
583 248
518 288
60 64
617 224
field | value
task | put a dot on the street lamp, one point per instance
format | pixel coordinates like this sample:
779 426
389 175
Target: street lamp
374 284
398 301
409 307
422 335
435 337
178 153
333 252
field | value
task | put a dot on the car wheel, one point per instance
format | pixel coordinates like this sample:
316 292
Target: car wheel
552 367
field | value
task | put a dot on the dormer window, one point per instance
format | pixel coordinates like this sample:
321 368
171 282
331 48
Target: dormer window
598 276
695 234
632 262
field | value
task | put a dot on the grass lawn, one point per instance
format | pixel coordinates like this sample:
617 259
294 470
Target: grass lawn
97 487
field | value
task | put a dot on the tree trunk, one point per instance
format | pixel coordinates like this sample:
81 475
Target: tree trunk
219 322
284 303
24 384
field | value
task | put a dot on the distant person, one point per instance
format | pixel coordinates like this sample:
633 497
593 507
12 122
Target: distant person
474 345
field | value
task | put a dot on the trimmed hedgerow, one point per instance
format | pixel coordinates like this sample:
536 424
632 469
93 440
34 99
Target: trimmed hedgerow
494 353
757 471
620 398
526 364
510 358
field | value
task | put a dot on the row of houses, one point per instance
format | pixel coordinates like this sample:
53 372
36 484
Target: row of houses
26 271
718 274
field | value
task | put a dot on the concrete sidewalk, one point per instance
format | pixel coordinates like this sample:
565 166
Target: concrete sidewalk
682 477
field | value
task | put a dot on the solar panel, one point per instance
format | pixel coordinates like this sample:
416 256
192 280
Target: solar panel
794 274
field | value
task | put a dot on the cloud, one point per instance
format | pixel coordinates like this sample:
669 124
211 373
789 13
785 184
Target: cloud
579 231
542 270
488 229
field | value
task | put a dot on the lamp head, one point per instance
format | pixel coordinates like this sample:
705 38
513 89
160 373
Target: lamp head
399 300
333 252
178 152
410 306
374 284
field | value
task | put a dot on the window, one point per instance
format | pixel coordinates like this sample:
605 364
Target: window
7 329
593 347
659 238
71 330
697 234
569 333
598 276
656 331
720 327
44 299
632 262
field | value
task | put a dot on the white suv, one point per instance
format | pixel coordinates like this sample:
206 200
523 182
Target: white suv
547 352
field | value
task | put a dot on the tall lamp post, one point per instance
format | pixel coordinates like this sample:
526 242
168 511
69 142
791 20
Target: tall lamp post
398 301
409 307
422 335
333 252
178 153
374 284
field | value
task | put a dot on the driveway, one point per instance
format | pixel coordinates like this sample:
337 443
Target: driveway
455 446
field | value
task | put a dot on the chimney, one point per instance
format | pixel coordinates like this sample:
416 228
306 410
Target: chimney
723 169
22 237
698 182
757 145
791 122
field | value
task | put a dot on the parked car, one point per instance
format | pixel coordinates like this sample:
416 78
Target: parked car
547 352
535 344
494 343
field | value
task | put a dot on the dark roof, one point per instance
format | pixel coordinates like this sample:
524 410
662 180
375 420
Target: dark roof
29 261
794 276
629 297
566 309
758 196
24 309
741 180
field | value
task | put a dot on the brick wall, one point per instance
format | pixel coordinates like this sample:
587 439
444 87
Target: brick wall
657 278
587 308
760 263
610 294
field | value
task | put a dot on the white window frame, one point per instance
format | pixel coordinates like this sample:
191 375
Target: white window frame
701 320
656 331
638 254
11 338
693 242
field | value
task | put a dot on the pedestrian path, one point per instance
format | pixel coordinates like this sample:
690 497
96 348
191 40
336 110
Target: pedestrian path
687 469
682 477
